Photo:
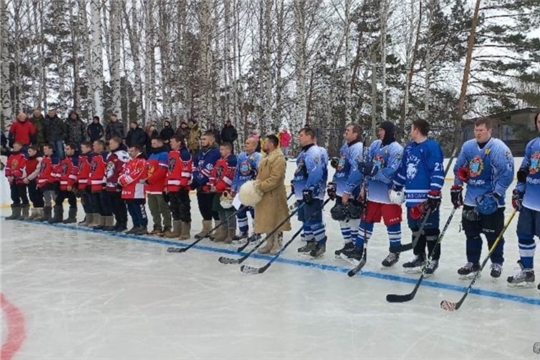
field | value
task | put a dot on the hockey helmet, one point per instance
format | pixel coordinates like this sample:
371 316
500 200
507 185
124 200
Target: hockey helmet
339 213
486 204
226 200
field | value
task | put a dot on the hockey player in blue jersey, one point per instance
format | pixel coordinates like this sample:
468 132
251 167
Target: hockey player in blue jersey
248 162
380 168
525 199
421 173
309 184
486 165
342 188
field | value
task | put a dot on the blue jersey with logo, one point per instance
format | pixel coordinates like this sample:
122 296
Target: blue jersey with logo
531 188
491 169
388 159
246 169
204 162
421 171
311 172
349 155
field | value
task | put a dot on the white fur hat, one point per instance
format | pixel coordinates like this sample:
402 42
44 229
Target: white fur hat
249 195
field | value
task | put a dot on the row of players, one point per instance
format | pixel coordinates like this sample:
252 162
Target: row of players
388 175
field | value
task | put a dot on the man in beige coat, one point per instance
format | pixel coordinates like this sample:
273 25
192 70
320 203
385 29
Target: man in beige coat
272 209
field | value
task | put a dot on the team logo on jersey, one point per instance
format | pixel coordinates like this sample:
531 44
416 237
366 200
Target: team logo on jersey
476 166
534 167
172 164
301 166
245 168
219 172
110 169
341 163
15 164
412 167
93 166
64 168
151 170
378 160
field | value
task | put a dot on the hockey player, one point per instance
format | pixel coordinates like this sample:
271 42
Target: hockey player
15 173
486 165
67 171
98 169
421 173
309 186
525 199
248 162
46 181
220 182
178 186
32 171
111 197
204 162
84 191
155 186
380 168
342 187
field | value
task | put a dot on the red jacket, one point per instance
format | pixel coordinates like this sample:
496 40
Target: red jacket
46 174
133 178
115 166
284 138
31 167
222 174
84 170
157 172
22 132
68 170
15 167
98 167
180 169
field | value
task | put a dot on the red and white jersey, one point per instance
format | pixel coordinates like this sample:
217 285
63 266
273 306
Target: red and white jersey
133 178
222 174
84 169
115 166
15 167
67 172
180 168
98 167
46 171
157 172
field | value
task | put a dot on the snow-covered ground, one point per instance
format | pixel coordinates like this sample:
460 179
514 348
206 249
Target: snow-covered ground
80 294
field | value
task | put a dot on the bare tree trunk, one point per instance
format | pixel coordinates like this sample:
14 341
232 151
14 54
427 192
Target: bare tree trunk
97 57
107 31
149 64
133 34
280 61
87 54
115 59
5 98
428 59
227 73
267 110
205 60
347 33
384 25
75 59
374 93
300 58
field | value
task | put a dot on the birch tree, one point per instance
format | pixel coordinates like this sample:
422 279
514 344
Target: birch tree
115 18
132 29
97 57
300 59
6 113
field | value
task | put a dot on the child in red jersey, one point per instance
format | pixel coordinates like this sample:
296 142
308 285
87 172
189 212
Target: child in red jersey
15 173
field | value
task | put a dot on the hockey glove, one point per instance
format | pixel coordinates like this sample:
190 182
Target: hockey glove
367 168
331 190
292 189
307 196
522 175
517 199
433 201
456 194
416 212
463 174
334 162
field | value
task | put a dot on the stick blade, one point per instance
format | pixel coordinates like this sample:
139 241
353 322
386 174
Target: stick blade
226 260
176 250
357 268
241 248
395 298
246 269
448 305
404 247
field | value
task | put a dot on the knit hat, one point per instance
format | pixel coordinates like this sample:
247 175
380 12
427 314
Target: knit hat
389 131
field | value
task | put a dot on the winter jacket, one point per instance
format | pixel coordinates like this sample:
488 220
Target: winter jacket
148 146
46 171
229 134
203 163
40 124
133 178
222 174
193 138
54 129
136 136
284 138
22 131
84 169
15 167
183 132
95 131
166 133
68 171
216 135
98 169
75 130
179 170
114 128
157 171
115 166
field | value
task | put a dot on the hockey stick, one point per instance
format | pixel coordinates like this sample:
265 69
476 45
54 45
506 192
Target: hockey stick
241 248
226 260
395 298
253 270
184 249
451 306
409 246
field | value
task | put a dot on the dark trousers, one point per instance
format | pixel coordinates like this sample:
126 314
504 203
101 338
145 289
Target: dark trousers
137 211
205 205
180 205
63 195
86 201
113 204
95 203
18 194
36 196
491 226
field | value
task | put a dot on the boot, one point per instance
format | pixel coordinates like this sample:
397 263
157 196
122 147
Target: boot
268 246
120 227
220 234
230 235
278 243
58 214
88 219
33 214
99 223
96 222
109 223
186 229
45 215
15 212
72 216
207 226
141 230
25 210
176 230
155 231
39 214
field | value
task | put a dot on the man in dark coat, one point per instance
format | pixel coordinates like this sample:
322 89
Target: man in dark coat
115 128
55 133
135 136
167 132
75 130
229 133
95 130
216 133
38 121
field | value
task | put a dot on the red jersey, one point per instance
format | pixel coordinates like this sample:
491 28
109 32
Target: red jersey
222 174
32 170
84 170
157 172
179 170
115 165
68 170
133 178
46 171
15 167
97 173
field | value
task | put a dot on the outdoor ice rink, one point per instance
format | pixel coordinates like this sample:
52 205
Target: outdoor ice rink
72 293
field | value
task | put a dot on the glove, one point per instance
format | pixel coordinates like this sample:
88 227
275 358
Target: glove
367 168
433 200
331 190
522 175
205 188
334 162
456 193
307 196
517 200
416 212
119 187
463 174
292 189
166 197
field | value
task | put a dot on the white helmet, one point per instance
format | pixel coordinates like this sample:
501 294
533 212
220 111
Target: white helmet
226 200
